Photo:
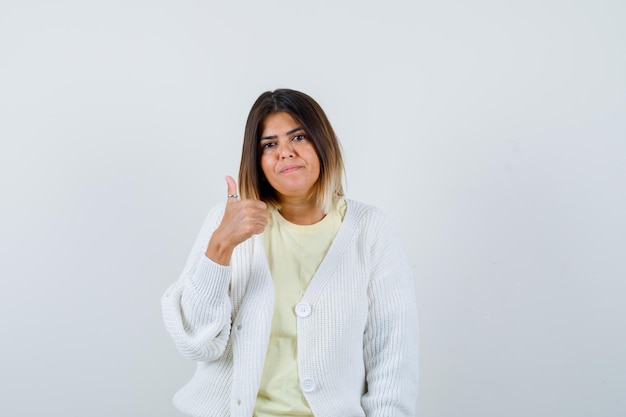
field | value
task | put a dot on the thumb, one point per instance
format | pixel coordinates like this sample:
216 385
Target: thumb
232 189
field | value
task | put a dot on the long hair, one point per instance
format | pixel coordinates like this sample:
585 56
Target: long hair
309 114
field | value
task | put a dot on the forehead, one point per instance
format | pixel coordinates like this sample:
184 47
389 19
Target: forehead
278 123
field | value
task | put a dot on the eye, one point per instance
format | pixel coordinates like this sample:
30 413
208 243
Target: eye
299 137
268 145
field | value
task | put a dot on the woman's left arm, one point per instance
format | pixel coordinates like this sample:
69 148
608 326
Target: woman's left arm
390 341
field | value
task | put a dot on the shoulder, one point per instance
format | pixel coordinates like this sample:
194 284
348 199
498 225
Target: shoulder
367 214
212 219
215 213
374 226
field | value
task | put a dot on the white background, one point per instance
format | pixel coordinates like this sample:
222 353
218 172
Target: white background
493 132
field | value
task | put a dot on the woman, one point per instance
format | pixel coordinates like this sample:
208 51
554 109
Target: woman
295 301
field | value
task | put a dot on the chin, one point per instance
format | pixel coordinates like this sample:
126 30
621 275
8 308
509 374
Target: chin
295 192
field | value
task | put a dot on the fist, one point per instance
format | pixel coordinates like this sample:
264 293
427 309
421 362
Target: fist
242 219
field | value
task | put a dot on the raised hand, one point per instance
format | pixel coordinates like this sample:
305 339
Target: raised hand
242 219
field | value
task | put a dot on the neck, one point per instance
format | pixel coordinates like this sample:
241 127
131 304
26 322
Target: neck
300 211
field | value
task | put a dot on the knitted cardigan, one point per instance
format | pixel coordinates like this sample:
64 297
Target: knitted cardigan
357 324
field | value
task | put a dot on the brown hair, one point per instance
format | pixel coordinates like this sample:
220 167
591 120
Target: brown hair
313 120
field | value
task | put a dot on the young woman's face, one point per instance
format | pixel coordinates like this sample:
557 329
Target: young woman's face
288 158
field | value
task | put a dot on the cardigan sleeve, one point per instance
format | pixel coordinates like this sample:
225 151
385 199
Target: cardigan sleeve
197 308
390 340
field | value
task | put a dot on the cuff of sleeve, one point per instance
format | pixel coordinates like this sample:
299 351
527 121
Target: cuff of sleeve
211 277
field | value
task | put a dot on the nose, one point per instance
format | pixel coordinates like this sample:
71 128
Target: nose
286 150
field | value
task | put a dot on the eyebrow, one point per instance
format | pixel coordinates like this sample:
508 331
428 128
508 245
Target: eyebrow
287 134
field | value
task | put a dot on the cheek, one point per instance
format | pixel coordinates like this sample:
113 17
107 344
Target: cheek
265 166
315 160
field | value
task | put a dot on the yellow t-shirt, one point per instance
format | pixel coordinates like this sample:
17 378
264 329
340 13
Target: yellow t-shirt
294 253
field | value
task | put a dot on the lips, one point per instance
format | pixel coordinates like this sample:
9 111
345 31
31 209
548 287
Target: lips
290 168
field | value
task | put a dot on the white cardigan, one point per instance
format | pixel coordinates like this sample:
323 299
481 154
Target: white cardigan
357 324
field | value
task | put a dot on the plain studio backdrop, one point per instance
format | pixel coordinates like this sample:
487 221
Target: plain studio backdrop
492 132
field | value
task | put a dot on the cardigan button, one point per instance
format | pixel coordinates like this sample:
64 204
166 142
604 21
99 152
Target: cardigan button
303 309
307 385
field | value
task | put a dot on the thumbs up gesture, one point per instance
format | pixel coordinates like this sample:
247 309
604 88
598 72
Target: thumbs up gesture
242 219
